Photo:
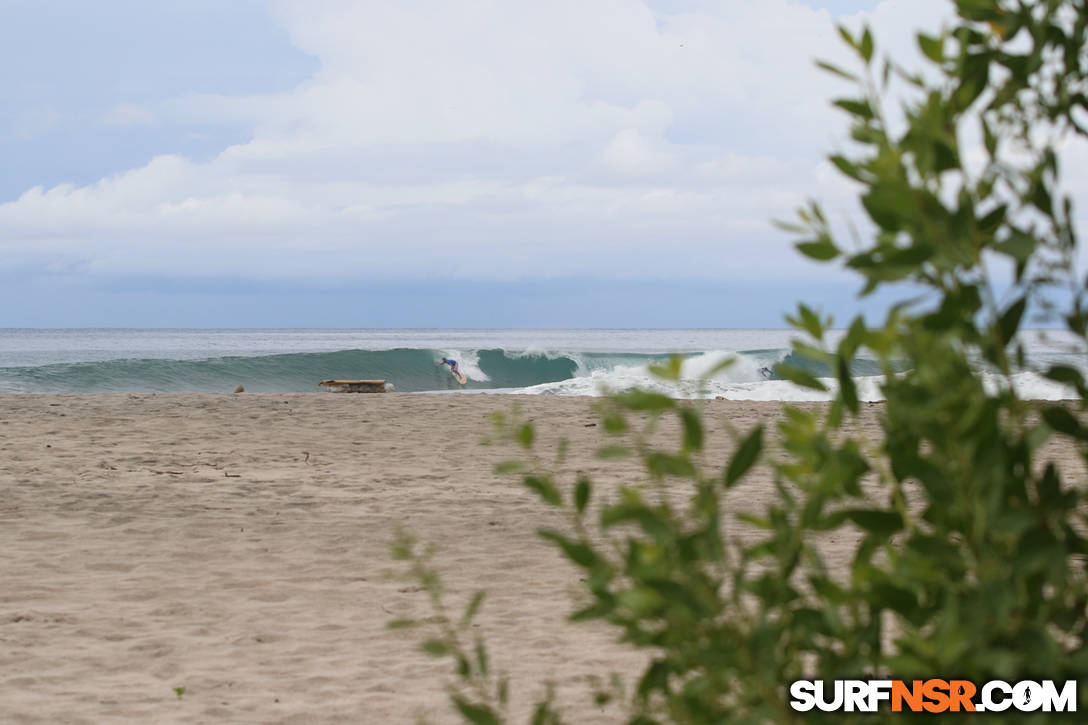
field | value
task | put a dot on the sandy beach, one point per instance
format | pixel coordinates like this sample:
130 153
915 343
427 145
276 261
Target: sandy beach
238 546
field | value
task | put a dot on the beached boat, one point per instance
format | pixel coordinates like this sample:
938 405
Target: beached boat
357 386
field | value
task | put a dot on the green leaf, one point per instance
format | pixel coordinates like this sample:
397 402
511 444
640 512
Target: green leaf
597 610
847 167
790 227
643 400
693 429
912 256
656 677
1050 488
577 551
886 595
974 77
855 336
545 714
582 490
989 138
613 452
472 608
401 624
876 521
1062 421
545 488
994 219
642 601
834 414
665 464
437 647
808 320
614 423
1019 246
1035 550
888 205
835 70
847 38
403 547
653 522
1010 320
670 370
756 521
745 456
847 390
1067 376
481 658
1042 200
476 714
822 250
525 435
932 48
506 467
855 107
797 376
865 48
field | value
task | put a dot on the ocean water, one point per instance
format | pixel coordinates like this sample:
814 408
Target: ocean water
534 362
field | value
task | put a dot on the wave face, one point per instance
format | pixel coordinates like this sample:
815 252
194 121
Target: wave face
566 364
410 370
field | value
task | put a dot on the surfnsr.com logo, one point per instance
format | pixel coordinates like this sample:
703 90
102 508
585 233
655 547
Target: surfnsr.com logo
933 695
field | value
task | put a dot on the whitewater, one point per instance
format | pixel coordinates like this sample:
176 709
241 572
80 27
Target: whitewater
533 362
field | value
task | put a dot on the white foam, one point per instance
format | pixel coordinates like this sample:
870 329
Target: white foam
1029 386
744 367
469 364
741 380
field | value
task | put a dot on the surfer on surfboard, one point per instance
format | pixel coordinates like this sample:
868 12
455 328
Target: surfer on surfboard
453 369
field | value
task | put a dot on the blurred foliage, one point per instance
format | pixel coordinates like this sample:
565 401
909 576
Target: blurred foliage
970 547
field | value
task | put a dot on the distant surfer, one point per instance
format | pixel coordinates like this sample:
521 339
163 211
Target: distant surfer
460 376
766 372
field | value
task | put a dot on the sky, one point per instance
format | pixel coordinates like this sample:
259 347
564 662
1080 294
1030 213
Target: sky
485 163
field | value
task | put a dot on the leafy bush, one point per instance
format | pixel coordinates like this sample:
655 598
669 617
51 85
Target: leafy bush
970 547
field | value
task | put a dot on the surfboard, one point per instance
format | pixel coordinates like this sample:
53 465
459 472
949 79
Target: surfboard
460 376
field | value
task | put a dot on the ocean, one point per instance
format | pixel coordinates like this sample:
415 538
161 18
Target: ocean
533 362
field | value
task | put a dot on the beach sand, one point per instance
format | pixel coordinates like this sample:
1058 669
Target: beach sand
238 546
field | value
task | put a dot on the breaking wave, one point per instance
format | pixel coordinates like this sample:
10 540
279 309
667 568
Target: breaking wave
488 370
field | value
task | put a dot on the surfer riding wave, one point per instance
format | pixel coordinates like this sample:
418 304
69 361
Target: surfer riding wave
454 371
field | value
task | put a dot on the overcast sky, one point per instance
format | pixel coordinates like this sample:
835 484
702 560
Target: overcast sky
419 163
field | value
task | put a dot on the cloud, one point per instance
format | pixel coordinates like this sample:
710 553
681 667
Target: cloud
630 153
487 139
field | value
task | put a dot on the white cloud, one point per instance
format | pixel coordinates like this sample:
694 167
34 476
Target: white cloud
630 153
491 139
